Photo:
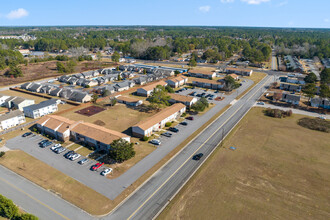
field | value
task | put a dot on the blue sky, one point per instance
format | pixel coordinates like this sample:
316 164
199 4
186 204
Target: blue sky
261 13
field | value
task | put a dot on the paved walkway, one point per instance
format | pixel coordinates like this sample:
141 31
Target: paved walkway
295 111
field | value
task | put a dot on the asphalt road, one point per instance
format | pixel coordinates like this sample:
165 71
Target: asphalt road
146 202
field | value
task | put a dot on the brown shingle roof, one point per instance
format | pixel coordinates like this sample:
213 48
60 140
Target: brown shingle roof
54 121
178 78
181 98
207 81
153 85
151 121
98 133
204 72
238 69
127 99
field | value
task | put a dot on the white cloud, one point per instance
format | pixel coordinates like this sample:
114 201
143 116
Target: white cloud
255 2
16 14
205 8
326 20
282 4
227 1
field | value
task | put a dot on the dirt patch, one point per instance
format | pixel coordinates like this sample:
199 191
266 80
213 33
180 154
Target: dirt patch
89 111
99 122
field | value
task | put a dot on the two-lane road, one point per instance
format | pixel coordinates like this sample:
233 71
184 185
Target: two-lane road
146 202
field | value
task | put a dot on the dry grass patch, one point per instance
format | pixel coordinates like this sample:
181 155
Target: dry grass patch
84 151
118 117
279 171
53 180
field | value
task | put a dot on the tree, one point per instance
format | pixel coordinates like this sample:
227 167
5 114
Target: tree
325 76
70 66
176 72
95 98
121 150
115 57
14 71
200 105
169 89
309 90
310 78
7 208
192 62
119 77
113 101
98 55
26 216
324 91
159 96
106 93
230 83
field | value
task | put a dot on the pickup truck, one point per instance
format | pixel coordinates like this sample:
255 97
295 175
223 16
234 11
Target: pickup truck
96 166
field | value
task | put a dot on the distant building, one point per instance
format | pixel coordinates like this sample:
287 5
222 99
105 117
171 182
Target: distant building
186 100
320 103
209 84
18 102
239 71
129 100
290 98
148 89
202 74
290 87
11 119
41 109
177 81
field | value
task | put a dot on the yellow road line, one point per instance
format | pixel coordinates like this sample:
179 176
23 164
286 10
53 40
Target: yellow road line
177 170
35 199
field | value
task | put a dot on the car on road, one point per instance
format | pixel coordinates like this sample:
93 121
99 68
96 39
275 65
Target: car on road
155 142
191 118
96 166
26 134
167 134
260 103
173 129
75 156
60 150
54 147
106 171
83 161
197 156
184 123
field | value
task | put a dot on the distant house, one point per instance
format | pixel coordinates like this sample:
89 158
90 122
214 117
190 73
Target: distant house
202 74
26 85
35 87
79 96
158 121
148 89
11 119
73 81
90 83
290 87
141 80
320 103
186 100
122 86
56 126
296 80
90 74
234 76
18 102
43 108
290 98
110 88
96 136
3 99
66 93
239 71
56 92
129 100
209 84
177 81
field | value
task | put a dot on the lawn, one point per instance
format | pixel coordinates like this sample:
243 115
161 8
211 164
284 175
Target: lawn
118 117
279 170
53 180
84 151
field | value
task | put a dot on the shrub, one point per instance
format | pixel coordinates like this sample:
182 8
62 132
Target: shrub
184 114
2 153
315 124
145 138
7 208
168 124
277 113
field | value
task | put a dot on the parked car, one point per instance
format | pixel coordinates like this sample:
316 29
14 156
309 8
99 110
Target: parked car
106 171
55 146
60 150
167 134
96 166
173 129
260 103
46 144
42 142
155 142
26 134
191 118
193 94
68 154
184 123
83 161
198 156
75 157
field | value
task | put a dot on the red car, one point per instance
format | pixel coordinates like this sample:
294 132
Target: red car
95 167
190 118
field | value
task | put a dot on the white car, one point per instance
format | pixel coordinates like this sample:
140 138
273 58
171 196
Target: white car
260 103
75 157
56 146
155 142
106 171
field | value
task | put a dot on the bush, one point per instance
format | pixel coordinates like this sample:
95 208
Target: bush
121 150
315 124
7 208
26 217
277 113
2 153
184 114
145 138
168 124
